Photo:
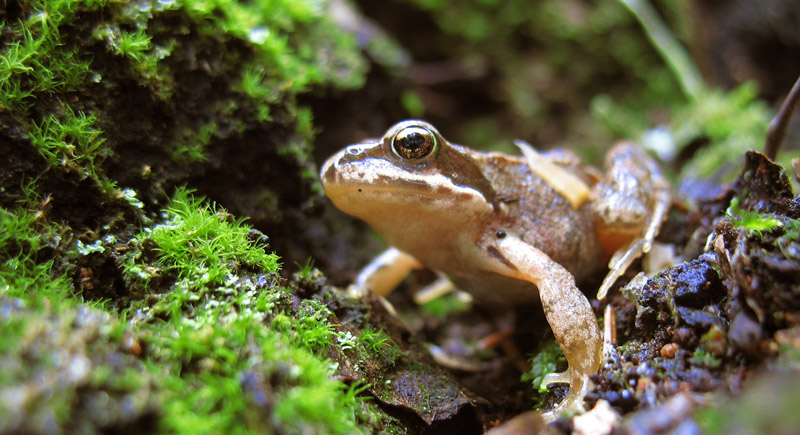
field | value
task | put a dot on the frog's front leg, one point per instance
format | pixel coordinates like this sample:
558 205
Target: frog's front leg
629 206
567 311
385 272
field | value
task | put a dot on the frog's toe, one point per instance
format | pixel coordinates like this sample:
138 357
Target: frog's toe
555 378
619 264
579 385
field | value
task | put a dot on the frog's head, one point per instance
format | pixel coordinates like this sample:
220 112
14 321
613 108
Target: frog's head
411 176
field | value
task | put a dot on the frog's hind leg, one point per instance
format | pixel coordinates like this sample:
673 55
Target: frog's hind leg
629 206
567 311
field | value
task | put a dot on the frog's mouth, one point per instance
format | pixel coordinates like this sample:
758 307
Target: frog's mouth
368 189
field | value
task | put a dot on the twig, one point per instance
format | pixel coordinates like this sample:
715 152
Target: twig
777 127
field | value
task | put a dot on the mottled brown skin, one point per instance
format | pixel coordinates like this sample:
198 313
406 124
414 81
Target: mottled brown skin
497 229
530 205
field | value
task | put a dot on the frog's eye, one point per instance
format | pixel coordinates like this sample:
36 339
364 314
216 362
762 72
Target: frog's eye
413 143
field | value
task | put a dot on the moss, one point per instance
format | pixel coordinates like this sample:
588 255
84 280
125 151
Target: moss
284 64
378 343
227 371
751 220
26 269
701 357
213 362
277 49
33 60
789 242
199 243
732 122
233 352
70 140
543 363
119 99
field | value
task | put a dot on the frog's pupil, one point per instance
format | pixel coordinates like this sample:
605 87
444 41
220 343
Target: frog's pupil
414 141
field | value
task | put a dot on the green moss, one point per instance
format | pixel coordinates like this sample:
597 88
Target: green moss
789 242
377 342
296 46
62 369
201 244
703 358
133 45
70 140
191 147
543 363
35 61
24 270
750 220
276 49
310 326
232 354
732 121
227 369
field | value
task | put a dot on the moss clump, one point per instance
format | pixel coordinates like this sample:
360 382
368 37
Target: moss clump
542 364
377 343
26 267
221 353
64 65
751 220
224 369
203 244
34 60
104 107
232 351
71 140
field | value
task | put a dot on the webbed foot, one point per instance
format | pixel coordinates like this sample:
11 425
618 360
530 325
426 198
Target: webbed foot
579 385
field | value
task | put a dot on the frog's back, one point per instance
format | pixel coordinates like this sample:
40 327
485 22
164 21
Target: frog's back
543 217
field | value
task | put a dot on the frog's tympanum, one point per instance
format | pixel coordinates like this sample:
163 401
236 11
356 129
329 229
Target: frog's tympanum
505 229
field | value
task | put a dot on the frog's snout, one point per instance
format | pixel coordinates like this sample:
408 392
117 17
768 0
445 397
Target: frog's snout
329 173
342 166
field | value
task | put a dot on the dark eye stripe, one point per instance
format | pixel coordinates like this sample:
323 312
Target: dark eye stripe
456 164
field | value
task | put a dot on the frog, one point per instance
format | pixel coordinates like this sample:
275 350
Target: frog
506 229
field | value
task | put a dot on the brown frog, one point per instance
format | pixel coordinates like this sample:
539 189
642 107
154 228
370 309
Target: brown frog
506 229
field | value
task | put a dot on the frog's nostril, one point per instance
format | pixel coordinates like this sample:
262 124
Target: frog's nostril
354 150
